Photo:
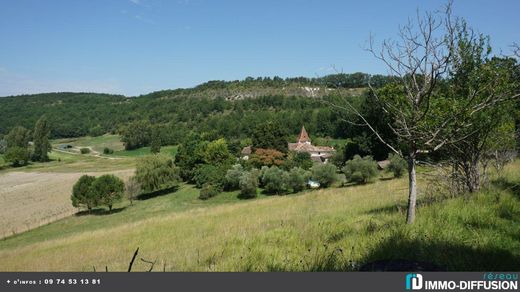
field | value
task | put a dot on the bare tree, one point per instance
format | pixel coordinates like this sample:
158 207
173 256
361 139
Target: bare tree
516 50
421 59
132 189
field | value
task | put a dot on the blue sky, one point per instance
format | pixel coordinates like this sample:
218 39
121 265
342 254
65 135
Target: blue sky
134 47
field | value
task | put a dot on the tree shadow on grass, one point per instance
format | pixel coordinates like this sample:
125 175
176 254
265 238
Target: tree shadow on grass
398 253
100 212
158 193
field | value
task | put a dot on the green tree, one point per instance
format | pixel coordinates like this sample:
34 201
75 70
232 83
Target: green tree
233 177
217 153
136 134
296 179
96 131
189 155
298 159
82 195
155 144
360 170
273 181
42 146
397 165
210 174
109 189
18 137
17 156
156 172
248 184
270 135
325 174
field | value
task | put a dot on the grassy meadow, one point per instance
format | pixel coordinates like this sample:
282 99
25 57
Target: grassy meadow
336 229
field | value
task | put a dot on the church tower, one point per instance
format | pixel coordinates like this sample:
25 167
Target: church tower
304 137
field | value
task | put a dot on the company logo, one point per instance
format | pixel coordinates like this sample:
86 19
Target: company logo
414 281
491 281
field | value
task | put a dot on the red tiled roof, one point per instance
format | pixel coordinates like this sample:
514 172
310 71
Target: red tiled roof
303 137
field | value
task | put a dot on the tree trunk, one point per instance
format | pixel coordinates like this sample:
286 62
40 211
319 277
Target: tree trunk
412 189
474 176
110 207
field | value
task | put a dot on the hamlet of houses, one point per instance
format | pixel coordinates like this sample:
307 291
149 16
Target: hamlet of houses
320 154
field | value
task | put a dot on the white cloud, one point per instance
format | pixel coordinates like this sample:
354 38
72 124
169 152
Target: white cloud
136 2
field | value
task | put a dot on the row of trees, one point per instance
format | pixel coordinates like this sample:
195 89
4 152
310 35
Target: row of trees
18 149
153 173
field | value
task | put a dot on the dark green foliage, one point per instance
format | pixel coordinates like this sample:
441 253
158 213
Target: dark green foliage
42 146
96 131
155 144
136 134
82 196
248 184
18 137
398 165
298 159
156 172
325 174
296 179
189 156
210 174
273 180
270 135
360 170
108 151
84 150
17 156
208 191
3 145
233 177
109 189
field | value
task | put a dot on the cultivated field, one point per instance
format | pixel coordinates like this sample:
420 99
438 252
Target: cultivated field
32 199
336 229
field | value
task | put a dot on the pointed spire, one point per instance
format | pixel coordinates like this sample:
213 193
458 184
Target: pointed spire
304 137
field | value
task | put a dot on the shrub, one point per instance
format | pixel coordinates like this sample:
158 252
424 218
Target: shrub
397 165
108 188
360 170
325 174
233 177
210 174
17 156
296 179
156 172
273 180
298 159
248 184
107 151
84 150
82 196
208 191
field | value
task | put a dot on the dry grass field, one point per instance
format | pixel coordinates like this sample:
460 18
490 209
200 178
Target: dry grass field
32 199
336 229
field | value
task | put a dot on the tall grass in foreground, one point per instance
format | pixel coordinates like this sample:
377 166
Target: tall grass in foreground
325 230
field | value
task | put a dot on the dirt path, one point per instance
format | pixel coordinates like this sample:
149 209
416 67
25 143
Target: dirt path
92 152
32 199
